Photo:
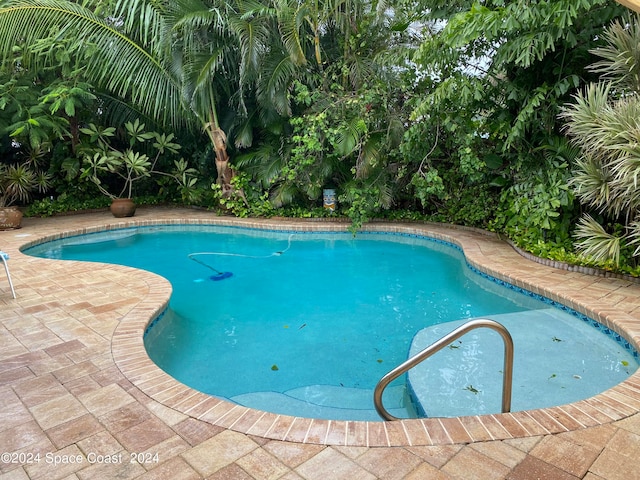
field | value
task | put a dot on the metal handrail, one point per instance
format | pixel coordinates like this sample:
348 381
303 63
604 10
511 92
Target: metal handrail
507 372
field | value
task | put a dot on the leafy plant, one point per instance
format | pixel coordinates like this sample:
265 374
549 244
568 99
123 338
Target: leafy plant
19 181
64 203
102 159
363 202
485 111
603 122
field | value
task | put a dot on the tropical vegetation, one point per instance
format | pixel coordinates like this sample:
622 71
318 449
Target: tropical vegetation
129 165
454 111
603 122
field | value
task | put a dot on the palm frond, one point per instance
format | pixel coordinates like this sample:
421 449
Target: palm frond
283 194
634 236
278 71
243 136
291 19
620 55
250 25
595 242
608 132
117 112
199 70
592 182
361 70
263 163
191 21
585 118
143 22
369 156
385 197
350 135
114 61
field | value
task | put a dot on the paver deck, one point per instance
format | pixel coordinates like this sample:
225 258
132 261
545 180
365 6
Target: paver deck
81 399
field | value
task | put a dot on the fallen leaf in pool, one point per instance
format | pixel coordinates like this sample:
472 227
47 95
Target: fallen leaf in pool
274 367
472 389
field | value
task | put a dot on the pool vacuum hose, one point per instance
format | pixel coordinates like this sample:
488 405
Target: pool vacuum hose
222 275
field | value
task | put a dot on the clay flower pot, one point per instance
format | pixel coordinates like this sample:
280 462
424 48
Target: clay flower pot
10 218
122 207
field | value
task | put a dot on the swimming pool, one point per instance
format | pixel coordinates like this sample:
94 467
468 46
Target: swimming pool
389 281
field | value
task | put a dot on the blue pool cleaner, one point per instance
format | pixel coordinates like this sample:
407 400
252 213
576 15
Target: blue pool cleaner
220 276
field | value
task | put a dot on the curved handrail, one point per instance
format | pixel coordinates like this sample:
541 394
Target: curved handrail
507 372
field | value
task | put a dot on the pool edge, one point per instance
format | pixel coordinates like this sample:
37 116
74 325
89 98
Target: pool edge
130 356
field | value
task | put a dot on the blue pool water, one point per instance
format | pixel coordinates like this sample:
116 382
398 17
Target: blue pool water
307 323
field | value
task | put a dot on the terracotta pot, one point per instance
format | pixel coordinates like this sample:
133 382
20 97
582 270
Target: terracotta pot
122 207
10 217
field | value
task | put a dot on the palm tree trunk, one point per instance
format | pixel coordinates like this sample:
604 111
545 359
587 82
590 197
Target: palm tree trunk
219 143
225 171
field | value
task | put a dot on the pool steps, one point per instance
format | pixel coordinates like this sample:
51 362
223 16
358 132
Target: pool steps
328 402
467 379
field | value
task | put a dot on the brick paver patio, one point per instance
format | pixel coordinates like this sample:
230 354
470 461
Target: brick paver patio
80 399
